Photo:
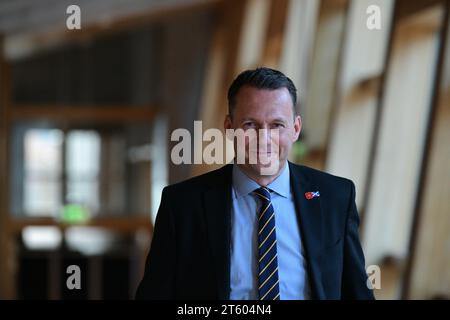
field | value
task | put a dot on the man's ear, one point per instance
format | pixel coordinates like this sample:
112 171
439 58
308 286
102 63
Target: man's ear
228 123
297 127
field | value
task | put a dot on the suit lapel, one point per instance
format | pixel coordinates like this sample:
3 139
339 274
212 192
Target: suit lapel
311 226
217 210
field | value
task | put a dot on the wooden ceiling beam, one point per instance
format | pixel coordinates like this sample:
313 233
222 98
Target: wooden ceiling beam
84 113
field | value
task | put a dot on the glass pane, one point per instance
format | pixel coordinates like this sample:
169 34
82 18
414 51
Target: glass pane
83 163
83 153
84 193
42 149
42 198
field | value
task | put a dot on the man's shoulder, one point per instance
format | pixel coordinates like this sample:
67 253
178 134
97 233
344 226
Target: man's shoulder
319 177
221 176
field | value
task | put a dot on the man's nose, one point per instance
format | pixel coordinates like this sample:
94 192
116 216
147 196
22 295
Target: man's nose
264 137
268 138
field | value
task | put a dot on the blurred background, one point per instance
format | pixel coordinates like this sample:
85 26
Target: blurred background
86 117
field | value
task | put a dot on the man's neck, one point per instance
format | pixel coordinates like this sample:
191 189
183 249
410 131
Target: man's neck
262 180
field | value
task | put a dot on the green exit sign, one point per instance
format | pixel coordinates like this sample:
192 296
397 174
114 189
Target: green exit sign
74 214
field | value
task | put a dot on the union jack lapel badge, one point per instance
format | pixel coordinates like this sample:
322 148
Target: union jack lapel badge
313 194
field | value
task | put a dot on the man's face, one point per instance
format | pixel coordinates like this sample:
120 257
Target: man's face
271 110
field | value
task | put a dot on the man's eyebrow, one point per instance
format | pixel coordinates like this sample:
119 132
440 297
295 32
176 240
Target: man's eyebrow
272 120
249 119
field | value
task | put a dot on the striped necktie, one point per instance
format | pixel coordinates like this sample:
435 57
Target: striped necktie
268 282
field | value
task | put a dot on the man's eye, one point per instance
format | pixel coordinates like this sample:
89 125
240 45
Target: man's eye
278 125
249 125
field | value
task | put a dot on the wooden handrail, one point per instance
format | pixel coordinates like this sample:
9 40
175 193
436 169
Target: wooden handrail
126 224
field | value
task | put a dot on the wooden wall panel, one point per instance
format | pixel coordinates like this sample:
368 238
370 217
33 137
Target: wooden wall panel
354 116
429 275
6 261
400 145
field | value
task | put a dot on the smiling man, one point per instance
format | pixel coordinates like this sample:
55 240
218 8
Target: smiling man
265 229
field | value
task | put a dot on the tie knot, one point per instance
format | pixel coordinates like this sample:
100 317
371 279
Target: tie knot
263 193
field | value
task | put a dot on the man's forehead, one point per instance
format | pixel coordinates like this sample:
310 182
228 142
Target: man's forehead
257 107
249 92
251 97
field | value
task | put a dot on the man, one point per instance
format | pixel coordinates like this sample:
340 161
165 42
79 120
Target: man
239 233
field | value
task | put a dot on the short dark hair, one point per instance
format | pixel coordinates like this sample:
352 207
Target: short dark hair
261 78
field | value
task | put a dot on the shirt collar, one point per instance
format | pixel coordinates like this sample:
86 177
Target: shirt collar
243 185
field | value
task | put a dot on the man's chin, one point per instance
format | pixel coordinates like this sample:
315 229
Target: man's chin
266 169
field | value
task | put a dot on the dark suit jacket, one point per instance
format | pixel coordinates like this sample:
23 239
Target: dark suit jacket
190 251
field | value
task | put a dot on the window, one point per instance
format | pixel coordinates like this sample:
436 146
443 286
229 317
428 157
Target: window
93 170
43 166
